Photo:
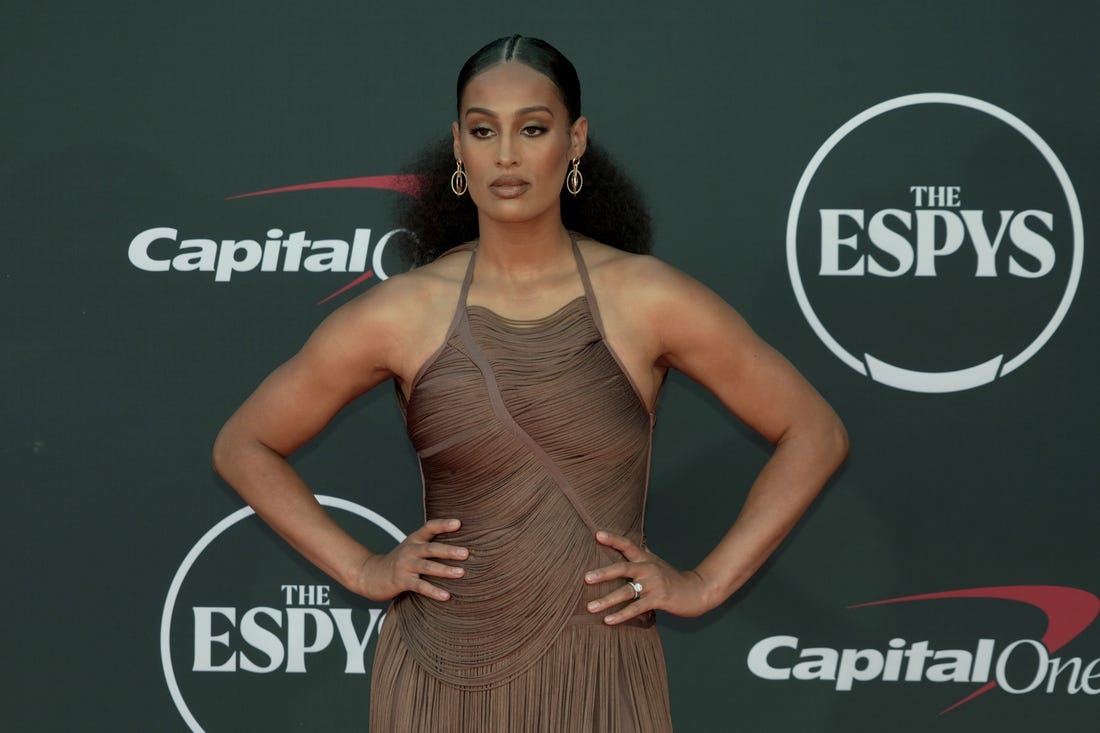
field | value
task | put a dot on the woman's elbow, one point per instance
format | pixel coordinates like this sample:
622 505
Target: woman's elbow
836 441
222 452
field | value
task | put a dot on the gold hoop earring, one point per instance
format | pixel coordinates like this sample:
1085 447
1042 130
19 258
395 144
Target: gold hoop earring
458 179
574 181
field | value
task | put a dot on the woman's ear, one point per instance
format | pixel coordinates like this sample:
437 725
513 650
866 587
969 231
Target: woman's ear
578 135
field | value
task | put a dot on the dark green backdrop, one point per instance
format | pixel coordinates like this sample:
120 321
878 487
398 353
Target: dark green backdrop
125 116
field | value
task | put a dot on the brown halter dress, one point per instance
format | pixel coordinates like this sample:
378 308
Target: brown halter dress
531 433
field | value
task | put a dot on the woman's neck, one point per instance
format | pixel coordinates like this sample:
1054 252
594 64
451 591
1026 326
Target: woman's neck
521 250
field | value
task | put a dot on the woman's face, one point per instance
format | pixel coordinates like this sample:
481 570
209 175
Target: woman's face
514 138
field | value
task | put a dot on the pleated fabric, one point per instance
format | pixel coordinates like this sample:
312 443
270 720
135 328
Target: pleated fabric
533 435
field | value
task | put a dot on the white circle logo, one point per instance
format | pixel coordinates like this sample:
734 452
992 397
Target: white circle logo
934 243
275 619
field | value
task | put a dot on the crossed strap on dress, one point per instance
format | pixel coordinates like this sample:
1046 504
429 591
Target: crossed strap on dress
468 345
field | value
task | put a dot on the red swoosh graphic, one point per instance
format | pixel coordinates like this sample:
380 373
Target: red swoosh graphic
1069 611
362 278
407 183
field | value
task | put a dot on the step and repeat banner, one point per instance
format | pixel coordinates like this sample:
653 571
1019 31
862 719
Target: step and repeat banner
898 196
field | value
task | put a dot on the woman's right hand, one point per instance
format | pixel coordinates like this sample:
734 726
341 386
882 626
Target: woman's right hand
384 576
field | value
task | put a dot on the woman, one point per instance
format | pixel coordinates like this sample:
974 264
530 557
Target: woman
528 364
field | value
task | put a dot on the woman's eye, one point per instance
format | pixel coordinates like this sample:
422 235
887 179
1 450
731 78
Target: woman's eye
481 132
533 130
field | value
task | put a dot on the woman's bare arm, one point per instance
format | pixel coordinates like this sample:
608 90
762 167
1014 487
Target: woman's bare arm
697 333
354 349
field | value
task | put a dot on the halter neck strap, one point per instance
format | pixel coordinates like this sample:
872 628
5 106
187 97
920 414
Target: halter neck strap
586 281
582 270
467 278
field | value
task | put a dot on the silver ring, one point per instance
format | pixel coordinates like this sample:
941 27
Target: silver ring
636 587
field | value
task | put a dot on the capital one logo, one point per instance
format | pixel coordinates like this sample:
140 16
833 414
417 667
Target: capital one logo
1017 666
934 243
249 629
164 249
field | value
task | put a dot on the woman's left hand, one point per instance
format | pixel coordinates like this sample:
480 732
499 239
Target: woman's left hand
663 586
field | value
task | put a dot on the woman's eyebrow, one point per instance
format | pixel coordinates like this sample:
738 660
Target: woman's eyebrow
520 111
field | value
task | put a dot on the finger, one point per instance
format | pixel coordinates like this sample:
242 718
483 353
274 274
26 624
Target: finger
428 590
444 551
614 598
438 569
433 527
625 614
610 572
622 544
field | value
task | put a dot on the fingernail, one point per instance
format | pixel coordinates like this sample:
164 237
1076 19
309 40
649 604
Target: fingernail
601 535
592 606
590 578
609 619
444 596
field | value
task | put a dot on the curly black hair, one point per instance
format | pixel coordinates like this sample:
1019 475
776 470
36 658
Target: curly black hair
609 208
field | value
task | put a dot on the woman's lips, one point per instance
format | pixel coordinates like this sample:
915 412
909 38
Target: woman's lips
508 187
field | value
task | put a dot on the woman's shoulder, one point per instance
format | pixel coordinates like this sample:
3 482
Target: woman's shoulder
396 321
397 309
652 297
641 275
421 285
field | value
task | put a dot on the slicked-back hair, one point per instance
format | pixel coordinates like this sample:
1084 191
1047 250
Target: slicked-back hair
533 52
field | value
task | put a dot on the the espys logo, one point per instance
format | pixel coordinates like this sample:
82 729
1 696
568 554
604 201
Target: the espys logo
248 621
934 242
163 249
1018 667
